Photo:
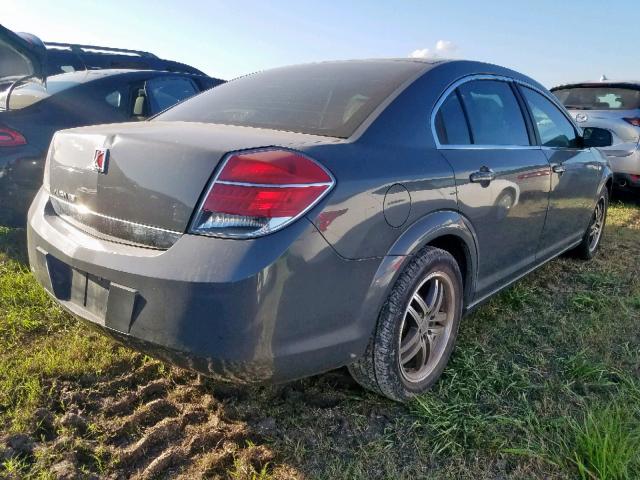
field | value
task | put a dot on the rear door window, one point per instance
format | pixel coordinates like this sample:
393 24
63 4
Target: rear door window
451 124
165 92
554 129
495 117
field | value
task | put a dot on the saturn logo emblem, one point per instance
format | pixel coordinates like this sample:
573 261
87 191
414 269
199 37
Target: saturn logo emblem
101 160
581 117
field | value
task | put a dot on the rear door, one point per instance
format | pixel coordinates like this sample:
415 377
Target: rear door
575 174
501 177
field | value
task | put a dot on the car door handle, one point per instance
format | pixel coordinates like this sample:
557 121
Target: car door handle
484 175
559 168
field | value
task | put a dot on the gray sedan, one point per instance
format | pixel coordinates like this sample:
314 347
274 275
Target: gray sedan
310 217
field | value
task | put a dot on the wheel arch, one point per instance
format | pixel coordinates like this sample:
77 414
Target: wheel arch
450 231
460 251
606 180
609 185
445 229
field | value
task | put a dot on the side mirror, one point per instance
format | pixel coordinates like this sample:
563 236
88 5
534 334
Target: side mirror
596 137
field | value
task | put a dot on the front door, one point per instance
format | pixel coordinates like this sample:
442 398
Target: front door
502 179
574 178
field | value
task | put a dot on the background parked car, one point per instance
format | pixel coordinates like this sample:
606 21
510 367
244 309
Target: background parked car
67 57
310 217
33 107
614 106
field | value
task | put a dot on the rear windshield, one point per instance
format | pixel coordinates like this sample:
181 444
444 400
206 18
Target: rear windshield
12 63
599 98
330 99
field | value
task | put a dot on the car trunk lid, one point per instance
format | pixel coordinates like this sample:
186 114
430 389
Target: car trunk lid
625 135
154 174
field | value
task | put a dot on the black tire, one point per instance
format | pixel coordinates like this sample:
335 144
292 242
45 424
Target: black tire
380 369
587 248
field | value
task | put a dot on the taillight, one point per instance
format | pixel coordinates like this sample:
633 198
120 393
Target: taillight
11 138
635 121
261 191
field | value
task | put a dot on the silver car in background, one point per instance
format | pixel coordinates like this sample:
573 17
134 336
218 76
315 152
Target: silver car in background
614 106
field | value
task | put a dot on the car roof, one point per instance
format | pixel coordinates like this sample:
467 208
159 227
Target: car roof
66 81
84 76
361 60
602 83
93 57
463 66
459 67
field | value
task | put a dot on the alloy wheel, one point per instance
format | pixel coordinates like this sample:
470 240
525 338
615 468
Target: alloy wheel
597 224
426 327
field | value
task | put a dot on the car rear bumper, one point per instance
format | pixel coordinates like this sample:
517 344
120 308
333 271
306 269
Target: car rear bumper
271 309
624 162
624 180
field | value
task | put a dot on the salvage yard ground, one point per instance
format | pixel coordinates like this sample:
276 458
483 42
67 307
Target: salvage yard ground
545 383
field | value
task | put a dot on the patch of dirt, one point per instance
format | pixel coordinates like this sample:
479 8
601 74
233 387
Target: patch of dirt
64 470
142 425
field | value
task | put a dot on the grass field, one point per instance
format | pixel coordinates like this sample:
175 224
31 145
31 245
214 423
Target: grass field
545 383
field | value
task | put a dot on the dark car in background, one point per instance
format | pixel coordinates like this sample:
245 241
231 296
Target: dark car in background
67 57
310 217
615 107
33 106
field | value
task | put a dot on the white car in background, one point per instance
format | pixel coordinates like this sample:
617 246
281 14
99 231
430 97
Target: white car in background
613 106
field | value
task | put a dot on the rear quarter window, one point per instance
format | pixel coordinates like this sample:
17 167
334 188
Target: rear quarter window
451 124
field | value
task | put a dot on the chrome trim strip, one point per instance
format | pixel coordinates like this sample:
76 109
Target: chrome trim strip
555 149
113 229
489 147
500 78
269 185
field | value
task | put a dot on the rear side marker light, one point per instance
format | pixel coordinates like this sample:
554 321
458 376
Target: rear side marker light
259 192
635 121
11 138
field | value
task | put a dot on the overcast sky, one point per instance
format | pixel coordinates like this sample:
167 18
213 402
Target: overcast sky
553 41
